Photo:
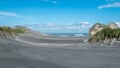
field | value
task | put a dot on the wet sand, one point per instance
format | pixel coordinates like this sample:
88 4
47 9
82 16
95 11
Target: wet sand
56 52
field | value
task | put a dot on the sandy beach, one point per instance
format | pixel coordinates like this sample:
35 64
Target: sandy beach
59 33
34 50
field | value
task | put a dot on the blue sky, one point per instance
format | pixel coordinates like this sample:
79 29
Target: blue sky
59 16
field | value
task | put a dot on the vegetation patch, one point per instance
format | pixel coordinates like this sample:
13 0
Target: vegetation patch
14 30
106 34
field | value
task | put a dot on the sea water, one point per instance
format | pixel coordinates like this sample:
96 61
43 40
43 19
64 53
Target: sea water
70 34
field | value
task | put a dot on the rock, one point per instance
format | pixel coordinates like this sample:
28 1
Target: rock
113 25
95 28
98 27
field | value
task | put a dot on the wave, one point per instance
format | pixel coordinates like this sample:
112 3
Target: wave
70 34
79 35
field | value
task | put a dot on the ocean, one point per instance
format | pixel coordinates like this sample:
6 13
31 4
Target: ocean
70 34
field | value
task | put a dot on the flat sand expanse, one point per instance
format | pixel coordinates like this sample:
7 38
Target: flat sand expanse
29 51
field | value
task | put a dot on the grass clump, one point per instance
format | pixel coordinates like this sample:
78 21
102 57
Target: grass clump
19 30
6 29
13 30
105 34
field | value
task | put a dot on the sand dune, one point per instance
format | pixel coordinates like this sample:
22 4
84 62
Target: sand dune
36 38
22 52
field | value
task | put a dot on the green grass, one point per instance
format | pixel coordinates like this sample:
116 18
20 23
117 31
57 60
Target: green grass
19 30
105 34
13 30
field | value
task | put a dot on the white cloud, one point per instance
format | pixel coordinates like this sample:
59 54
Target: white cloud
118 23
70 26
47 26
50 1
73 28
116 4
11 14
85 24
81 25
50 25
31 25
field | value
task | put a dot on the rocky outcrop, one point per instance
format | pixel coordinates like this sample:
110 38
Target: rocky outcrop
95 28
113 25
98 27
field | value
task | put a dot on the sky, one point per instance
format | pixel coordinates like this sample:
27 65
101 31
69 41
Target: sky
59 16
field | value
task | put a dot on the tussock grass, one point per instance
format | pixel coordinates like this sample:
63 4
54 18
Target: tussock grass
12 31
105 34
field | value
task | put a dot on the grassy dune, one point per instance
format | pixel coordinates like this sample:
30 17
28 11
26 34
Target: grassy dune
106 34
12 31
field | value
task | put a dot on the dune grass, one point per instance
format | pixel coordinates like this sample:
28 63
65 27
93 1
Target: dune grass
105 34
14 30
